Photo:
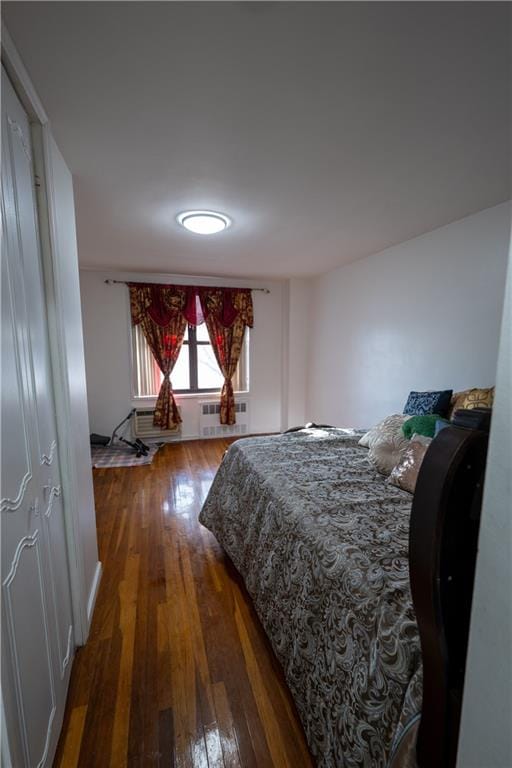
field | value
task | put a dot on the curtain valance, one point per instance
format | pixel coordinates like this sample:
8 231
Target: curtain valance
162 303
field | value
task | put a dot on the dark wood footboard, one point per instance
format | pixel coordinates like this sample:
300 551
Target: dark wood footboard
443 541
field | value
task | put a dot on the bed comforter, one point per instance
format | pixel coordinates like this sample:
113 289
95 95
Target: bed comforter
321 541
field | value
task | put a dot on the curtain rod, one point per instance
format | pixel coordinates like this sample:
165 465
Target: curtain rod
125 282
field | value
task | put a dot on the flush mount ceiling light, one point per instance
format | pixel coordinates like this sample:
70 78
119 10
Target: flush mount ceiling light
203 222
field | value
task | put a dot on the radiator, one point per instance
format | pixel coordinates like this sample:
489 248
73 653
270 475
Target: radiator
143 426
209 416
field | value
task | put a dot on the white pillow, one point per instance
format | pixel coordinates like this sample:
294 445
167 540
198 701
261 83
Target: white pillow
386 451
388 427
421 439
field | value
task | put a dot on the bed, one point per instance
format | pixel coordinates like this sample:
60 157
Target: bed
321 541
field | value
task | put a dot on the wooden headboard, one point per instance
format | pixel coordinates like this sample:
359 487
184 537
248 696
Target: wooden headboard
443 539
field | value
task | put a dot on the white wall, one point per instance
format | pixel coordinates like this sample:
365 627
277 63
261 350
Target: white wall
296 319
106 318
486 727
421 315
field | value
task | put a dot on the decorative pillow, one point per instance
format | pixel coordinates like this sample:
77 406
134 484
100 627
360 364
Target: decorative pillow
441 424
405 473
420 439
421 425
471 398
385 451
477 398
457 398
423 403
388 426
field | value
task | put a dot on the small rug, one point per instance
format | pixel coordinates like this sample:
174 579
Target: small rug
120 456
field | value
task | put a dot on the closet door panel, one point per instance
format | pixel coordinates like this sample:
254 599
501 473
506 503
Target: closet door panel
55 541
18 138
16 461
29 646
27 669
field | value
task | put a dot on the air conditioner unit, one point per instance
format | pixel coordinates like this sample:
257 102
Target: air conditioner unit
209 419
143 426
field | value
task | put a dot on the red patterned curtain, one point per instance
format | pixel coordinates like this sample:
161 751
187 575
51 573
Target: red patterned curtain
227 311
163 312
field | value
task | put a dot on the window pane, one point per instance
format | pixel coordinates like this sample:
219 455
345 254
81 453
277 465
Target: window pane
241 377
180 376
185 338
208 373
202 333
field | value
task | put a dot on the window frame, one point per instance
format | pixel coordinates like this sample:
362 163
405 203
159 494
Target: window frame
193 343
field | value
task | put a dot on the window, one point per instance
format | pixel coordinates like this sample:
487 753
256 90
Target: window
196 369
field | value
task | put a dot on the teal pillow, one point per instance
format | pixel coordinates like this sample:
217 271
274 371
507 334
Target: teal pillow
421 425
441 424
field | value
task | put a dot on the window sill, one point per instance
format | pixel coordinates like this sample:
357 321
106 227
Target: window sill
188 396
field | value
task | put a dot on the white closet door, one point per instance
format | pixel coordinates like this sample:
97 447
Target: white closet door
37 627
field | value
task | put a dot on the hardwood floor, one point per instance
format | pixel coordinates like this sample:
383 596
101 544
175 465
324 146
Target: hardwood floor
177 670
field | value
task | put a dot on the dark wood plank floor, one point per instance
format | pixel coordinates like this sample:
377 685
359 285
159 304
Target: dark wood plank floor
177 670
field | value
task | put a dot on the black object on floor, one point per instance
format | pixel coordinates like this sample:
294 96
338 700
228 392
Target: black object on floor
140 448
99 439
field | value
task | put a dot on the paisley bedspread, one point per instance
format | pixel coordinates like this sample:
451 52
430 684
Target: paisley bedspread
321 542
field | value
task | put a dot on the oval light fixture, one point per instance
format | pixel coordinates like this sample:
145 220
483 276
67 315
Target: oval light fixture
203 222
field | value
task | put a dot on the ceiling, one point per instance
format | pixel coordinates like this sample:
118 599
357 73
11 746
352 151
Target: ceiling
327 131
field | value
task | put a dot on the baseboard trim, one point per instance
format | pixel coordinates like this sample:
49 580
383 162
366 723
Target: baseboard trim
185 438
91 602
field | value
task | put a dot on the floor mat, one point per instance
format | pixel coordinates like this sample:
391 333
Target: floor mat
120 456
